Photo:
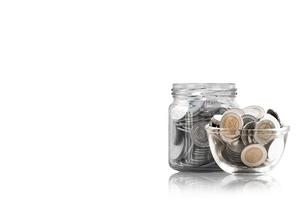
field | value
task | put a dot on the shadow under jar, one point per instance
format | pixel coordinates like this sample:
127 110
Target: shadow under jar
192 109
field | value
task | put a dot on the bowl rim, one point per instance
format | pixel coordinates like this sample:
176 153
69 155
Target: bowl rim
275 131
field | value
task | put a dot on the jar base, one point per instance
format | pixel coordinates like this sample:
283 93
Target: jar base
212 168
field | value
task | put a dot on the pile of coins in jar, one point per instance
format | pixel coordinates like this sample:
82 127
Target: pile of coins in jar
247 136
190 143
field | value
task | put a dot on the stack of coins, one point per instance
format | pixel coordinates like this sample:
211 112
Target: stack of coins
190 142
232 152
246 135
199 155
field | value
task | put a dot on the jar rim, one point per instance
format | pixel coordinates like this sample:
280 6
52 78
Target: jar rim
204 86
204 89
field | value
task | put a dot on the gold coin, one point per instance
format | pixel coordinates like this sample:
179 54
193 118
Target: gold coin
263 133
231 122
253 155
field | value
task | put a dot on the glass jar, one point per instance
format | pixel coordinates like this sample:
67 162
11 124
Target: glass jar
193 106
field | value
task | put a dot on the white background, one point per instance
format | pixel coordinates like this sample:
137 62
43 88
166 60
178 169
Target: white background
85 88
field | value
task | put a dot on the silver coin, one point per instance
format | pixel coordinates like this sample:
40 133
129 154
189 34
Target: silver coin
212 103
201 151
197 162
231 157
206 114
183 129
199 159
221 110
248 118
179 136
244 139
211 124
196 155
237 111
255 111
235 161
236 146
248 130
229 140
179 111
232 153
200 154
192 163
215 120
186 118
211 163
250 139
199 135
274 114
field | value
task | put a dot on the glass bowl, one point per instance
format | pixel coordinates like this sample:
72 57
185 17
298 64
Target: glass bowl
253 151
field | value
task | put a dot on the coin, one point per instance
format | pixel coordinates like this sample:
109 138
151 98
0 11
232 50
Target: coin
183 128
221 110
267 122
199 155
250 138
232 121
231 153
179 136
213 125
248 130
229 140
231 156
188 116
255 111
199 135
208 113
178 111
212 103
215 120
210 164
190 145
276 148
253 155
236 146
248 118
200 152
274 114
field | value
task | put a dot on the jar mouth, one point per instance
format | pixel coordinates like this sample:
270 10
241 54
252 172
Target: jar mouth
204 89
204 86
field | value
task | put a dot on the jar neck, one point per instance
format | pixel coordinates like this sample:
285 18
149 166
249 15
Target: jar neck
203 90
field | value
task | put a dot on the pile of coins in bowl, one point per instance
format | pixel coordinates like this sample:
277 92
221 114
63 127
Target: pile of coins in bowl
248 137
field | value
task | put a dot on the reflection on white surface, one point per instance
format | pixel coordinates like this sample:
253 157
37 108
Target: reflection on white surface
206 183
